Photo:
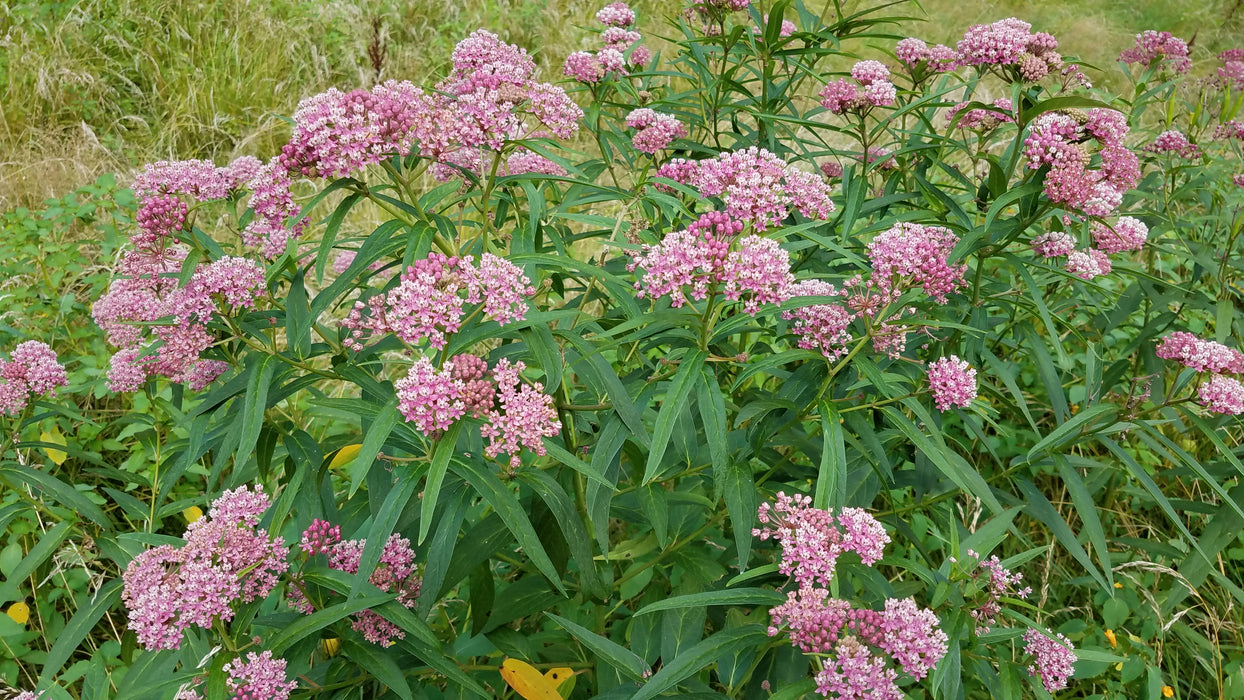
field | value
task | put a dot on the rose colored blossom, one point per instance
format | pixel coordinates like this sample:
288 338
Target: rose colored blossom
1057 140
394 573
831 169
1000 582
872 89
1127 234
1054 658
912 637
159 216
1238 180
757 273
883 157
909 255
821 327
1001 43
953 382
1222 395
787 28
241 171
1174 142
1200 355
692 258
584 67
523 161
1153 47
812 539
31 370
911 51
1088 264
756 186
1053 244
225 559
617 14
259 676
856 673
526 415
1233 129
319 537
273 203
198 179
429 398
656 130
239 282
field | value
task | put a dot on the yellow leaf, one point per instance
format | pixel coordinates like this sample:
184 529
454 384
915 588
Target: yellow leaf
53 436
562 679
344 456
528 682
192 513
330 647
20 612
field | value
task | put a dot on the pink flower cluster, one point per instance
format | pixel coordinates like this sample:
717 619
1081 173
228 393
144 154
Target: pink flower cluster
428 301
1233 129
859 642
31 370
1153 48
516 414
755 185
620 48
1054 244
708 258
161 186
161 328
812 539
1219 393
872 88
394 573
1010 42
952 381
259 676
1053 658
226 559
1174 142
911 52
1088 264
1231 73
1127 234
909 255
1057 140
656 130
984 119
823 327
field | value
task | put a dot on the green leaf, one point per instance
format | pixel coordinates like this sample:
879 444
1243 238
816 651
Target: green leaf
298 317
675 401
384 521
43 550
571 526
375 438
254 404
1070 432
831 479
1041 510
303 627
511 512
952 465
693 660
606 650
737 596
83 621
330 233
20 476
380 665
445 447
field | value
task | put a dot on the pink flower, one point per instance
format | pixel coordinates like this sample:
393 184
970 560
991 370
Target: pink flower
1222 395
982 118
1233 129
32 369
1174 142
831 169
912 637
1001 43
821 327
1088 264
1127 234
874 89
856 673
812 539
259 676
1000 583
756 186
656 130
757 273
319 537
617 14
953 382
1053 244
429 398
1053 658
394 573
1153 47
909 255
526 416
198 179
1200 355
693 258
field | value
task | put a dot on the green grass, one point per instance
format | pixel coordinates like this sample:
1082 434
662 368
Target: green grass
99 86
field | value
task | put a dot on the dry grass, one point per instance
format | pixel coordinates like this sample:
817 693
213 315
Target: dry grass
109 84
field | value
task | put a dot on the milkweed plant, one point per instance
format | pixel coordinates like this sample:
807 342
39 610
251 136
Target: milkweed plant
762 353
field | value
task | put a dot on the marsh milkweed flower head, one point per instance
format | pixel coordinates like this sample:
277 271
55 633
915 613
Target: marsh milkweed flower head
1010 42
1200 354
756 186
1175 143
1059 140
823 327
523 417
982 118
226 559
1088 264
757 273
656 130
952 381
871 88
1127 234
258 676
908 255
1162 49
812 539
1222 394
913 53
1054 244
31 370
686 262
1053 658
